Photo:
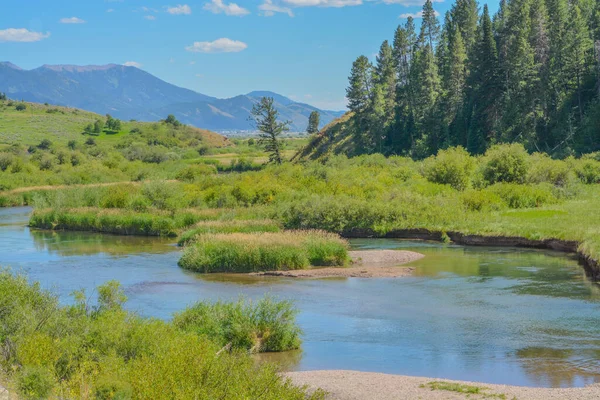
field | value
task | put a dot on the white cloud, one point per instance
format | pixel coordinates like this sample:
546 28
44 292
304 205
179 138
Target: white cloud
222 45
150 17
192 62
72 20
410 2
132 64
22 35
110 10
180 10
268 9
416 15
323 3
199 76
171 60
218 7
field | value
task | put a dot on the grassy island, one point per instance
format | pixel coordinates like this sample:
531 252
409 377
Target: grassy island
240 252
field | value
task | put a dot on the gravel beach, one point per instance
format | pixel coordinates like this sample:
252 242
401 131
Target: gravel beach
365 264
354 385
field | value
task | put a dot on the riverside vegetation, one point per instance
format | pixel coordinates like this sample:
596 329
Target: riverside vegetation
103 352
505 192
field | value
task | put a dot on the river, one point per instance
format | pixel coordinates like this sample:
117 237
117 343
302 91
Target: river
496 315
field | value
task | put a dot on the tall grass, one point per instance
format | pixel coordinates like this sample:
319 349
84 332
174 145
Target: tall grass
122 222
101 351
264 326
240 252
235 226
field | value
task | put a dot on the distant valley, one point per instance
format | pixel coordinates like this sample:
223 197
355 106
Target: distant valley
130 93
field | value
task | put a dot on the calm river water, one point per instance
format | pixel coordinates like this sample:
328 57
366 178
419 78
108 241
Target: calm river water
511 316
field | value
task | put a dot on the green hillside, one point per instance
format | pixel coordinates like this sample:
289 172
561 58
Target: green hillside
61 124
44 145
335 138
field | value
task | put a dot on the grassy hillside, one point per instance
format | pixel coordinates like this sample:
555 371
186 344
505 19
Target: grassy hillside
335 138
61 124
43 145
47 145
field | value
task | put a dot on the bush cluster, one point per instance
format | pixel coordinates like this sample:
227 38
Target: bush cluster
264 326
101 351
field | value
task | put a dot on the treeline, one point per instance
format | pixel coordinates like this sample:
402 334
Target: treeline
529 74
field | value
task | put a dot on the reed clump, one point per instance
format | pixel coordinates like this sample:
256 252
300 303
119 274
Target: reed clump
254 252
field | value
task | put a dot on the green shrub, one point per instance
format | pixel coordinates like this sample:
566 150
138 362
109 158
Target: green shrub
523 196
105 352
265 326
46 163
505 163
482 200
112 389
117 197
162 195
452 167
35 383
239 252
194 172
543 169
587 170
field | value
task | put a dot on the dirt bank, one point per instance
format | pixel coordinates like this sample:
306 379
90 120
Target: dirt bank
365 264
354 385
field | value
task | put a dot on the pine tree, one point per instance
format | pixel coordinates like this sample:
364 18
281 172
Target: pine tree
265 116
358 93
313 122
399 137
465 15
385 78
530 75
430 26
427 90
486 92
455 81
579 45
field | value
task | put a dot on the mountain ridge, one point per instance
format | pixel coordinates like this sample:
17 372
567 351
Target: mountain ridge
127 92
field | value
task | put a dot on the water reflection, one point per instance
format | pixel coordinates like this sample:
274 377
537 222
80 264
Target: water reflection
560 367
511 316
85 243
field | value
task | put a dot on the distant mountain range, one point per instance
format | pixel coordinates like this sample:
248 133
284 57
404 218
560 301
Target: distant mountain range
130 93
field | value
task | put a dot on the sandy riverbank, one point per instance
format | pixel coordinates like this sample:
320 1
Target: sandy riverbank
365 264
354 385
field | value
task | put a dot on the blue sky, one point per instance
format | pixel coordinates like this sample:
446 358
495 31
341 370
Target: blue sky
299 48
